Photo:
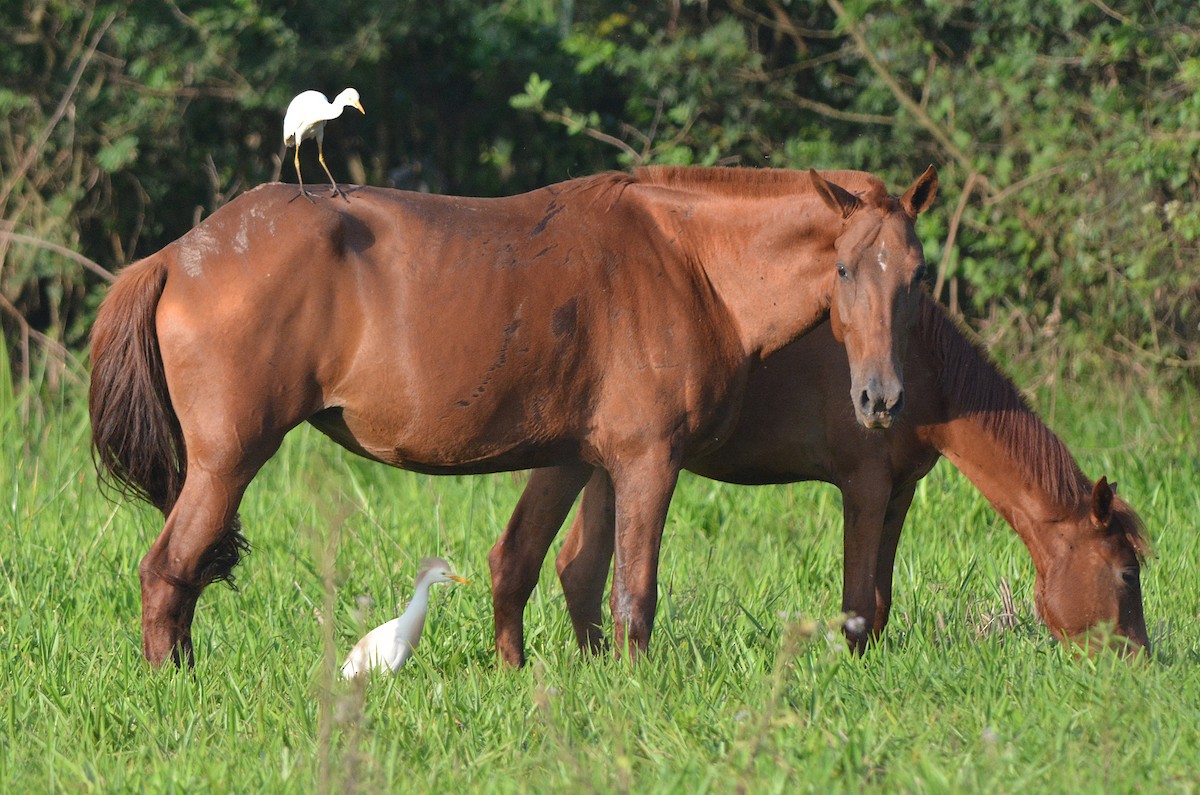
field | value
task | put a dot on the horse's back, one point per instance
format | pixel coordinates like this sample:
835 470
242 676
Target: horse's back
488 325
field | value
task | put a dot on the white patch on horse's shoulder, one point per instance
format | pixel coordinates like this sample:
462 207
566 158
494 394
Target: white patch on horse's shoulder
194 247
881 258
241 241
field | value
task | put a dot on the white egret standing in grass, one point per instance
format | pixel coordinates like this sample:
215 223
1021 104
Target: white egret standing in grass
305 118
389 645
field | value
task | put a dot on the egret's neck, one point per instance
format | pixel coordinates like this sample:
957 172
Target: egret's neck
413 619
420 599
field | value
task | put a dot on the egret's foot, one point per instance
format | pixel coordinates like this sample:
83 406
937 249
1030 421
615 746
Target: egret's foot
339 192
305 194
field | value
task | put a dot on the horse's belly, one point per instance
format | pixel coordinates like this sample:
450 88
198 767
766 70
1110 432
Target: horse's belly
443 448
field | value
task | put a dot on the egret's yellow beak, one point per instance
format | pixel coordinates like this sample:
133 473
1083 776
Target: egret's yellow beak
358 105
463 580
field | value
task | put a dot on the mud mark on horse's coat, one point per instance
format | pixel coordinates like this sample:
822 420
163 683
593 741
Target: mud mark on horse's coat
241 241
565 319
501 360
194 247
552 210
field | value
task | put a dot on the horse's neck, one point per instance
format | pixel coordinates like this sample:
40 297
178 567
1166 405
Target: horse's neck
1008 453
1002 477
769 261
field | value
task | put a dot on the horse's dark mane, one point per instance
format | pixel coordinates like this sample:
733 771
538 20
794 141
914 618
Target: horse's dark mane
609 185
971 383
757 182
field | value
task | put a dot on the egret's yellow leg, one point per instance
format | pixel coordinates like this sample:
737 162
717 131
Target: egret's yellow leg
321 156
303 192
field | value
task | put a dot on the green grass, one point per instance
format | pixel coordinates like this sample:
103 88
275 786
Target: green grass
741 690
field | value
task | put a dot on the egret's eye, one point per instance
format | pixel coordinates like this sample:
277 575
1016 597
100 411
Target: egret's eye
841 268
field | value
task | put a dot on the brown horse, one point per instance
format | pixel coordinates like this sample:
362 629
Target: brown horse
605 322
1086 543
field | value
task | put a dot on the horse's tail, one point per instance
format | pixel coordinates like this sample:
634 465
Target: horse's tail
137 443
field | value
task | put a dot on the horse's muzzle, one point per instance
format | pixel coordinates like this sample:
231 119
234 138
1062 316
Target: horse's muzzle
877 406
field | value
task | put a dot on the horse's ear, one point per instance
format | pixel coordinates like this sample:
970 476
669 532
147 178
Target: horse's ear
1102 502
840 200
920 195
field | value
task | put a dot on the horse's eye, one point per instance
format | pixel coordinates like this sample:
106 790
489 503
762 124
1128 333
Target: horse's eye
842 271
1129 577
920 275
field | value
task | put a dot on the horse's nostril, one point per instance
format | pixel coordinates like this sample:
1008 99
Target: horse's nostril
864 401
899 404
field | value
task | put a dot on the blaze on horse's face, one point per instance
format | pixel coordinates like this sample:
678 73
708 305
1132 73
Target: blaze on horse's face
1093 594
879 270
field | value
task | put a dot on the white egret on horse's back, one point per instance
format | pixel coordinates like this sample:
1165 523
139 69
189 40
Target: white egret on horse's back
388 646
305 118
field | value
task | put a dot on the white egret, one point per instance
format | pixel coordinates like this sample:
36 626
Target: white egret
305 118
389 645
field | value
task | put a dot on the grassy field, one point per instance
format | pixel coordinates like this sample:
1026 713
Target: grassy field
746 688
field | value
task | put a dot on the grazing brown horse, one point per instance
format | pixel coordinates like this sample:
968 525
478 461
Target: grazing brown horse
1086 543
605 322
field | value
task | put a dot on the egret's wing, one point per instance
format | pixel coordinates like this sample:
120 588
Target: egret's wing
402 652
374 650
306 115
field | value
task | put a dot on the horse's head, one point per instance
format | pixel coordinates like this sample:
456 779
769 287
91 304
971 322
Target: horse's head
1095 587
879 268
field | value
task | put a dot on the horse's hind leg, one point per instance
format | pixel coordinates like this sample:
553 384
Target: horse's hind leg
585 559
200 543
517 556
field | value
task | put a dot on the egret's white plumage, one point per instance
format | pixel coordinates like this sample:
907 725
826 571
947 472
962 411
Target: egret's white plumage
388 646
305 118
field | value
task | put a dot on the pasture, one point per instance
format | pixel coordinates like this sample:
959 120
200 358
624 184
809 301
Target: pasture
746 686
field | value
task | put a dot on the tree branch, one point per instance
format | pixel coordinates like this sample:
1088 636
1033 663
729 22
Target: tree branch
36 147
603 137
74 256
910 104
834 113
952 235
53 346
1124 20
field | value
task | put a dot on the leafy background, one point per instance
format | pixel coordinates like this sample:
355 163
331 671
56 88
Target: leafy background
1066 134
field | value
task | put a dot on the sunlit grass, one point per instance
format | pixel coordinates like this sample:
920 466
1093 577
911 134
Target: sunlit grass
746 687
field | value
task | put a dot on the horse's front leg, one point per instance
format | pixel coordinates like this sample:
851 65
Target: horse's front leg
200 543
584 560
893 524
643 489
865 498
517 556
